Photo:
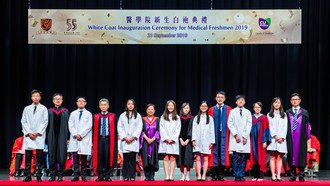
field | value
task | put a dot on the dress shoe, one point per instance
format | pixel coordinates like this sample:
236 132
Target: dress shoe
293 178
74 179
83 179
107 179
60 179
52 178
301 178
221 178
39 179
16 174
99 179
28 178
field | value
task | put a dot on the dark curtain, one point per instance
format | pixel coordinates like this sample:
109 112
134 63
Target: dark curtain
156 73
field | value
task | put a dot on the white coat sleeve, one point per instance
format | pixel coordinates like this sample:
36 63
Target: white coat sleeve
138 130
211 132
284 128
176 133
231 125
272 128
72 128
25 124
162 130
194 127
247 130
44 122
121 128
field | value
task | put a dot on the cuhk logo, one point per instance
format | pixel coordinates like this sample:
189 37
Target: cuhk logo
46 24
264 23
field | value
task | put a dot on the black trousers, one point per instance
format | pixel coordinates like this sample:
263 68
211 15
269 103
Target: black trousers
76 158
218 171
103 164
18 161
56 171
129 165
28 158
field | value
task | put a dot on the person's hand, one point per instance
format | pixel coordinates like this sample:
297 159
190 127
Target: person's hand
237 138
125 139
182 142
264 145
210 146
32 136
194 143
244 141
67 142
187 141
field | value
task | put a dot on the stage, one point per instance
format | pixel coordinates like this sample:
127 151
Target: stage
323 178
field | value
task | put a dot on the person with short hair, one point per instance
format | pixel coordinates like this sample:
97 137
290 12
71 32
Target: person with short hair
58 136
105 141
239 124
260 139
80 127
297 136
34 123
219 159
149 142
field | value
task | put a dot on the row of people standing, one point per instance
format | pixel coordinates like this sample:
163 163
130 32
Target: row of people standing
210 138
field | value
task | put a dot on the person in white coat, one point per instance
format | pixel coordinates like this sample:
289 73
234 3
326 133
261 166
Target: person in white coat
203 138
129 130
34 123
80 127
239 124
278 127
169 128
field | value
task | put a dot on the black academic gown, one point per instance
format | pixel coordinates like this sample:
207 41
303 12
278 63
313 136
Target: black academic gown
186 156
57 135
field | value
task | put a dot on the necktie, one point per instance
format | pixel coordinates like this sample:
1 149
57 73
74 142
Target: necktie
294 126
240 112
103 126
219 119
35 108
80 114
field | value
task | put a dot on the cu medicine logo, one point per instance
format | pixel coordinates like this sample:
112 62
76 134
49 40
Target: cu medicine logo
264 23
46 26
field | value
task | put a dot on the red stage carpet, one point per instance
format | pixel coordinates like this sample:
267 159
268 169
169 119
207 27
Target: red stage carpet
155 183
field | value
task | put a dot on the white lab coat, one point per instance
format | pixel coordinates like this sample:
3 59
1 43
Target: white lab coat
169 130
32 123
131 127
203 134
240 125
278 126
83 127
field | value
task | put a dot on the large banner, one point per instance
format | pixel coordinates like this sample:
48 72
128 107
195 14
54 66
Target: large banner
63 26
